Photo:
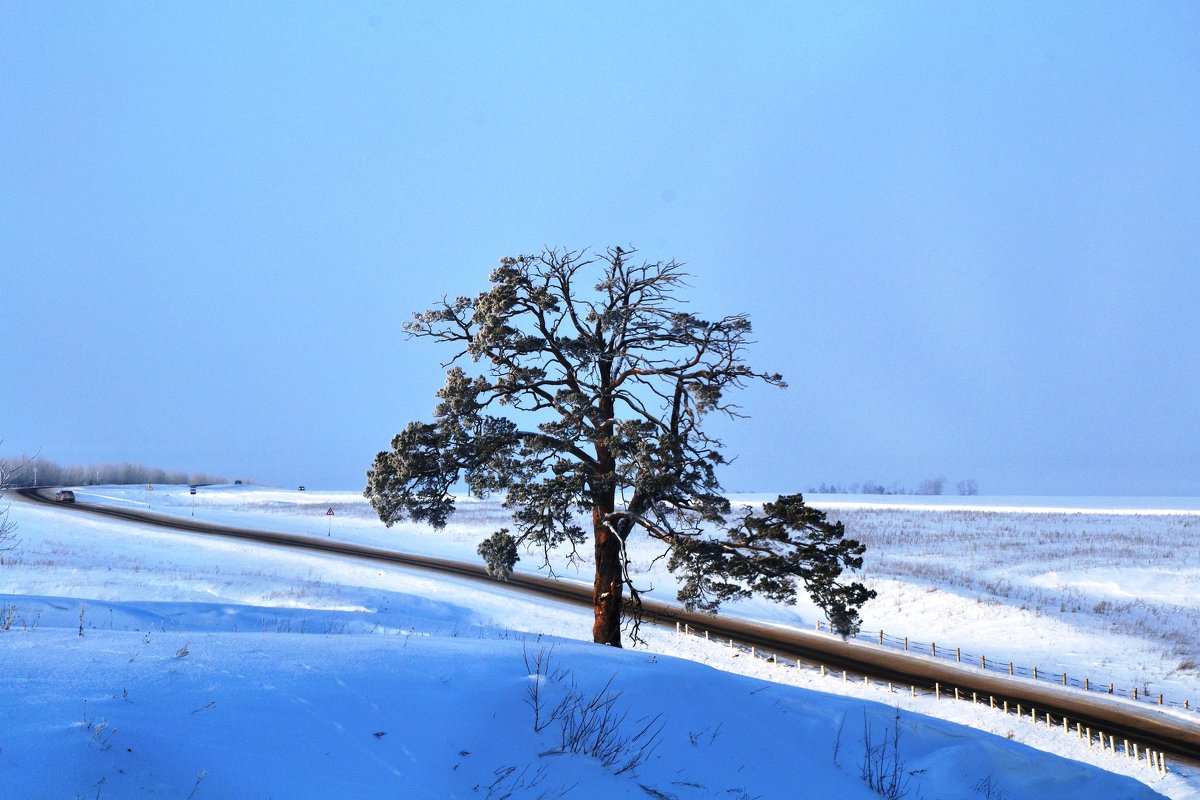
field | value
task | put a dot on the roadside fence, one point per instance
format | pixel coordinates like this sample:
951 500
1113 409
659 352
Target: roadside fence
1154 760
1001 666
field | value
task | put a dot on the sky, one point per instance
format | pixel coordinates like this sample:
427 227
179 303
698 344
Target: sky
965 233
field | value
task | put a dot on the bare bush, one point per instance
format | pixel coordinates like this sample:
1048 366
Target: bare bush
882 768
987 790
8 539
591 725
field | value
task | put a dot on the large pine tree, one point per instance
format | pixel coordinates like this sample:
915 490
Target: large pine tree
587 392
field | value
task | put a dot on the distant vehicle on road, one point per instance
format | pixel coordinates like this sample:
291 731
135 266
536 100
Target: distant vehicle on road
302 488
64 496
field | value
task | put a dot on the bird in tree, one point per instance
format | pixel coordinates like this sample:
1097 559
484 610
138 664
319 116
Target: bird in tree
579 389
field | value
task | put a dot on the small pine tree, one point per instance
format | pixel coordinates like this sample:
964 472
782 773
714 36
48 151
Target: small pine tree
499 553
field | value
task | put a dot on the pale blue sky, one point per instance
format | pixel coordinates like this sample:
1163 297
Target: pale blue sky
966 233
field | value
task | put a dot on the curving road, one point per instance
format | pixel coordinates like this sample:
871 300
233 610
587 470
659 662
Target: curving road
1176 737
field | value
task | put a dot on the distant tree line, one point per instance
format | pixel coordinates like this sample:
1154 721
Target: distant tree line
928 486
24 470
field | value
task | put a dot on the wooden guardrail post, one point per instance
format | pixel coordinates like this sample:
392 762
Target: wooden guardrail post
881 637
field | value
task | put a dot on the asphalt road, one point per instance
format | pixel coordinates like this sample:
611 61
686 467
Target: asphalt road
1178 738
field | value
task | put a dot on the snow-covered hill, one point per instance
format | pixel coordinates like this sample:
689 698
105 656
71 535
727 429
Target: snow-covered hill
146 663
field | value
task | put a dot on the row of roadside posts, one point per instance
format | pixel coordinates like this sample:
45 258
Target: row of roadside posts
150 490
1155 760
192 491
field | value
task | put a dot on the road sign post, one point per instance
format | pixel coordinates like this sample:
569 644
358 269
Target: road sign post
329 514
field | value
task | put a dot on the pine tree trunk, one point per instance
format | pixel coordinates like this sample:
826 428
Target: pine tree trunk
607 594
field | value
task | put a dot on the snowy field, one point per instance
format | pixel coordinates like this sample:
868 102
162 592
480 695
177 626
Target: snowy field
1112 594
147 663
1102 588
